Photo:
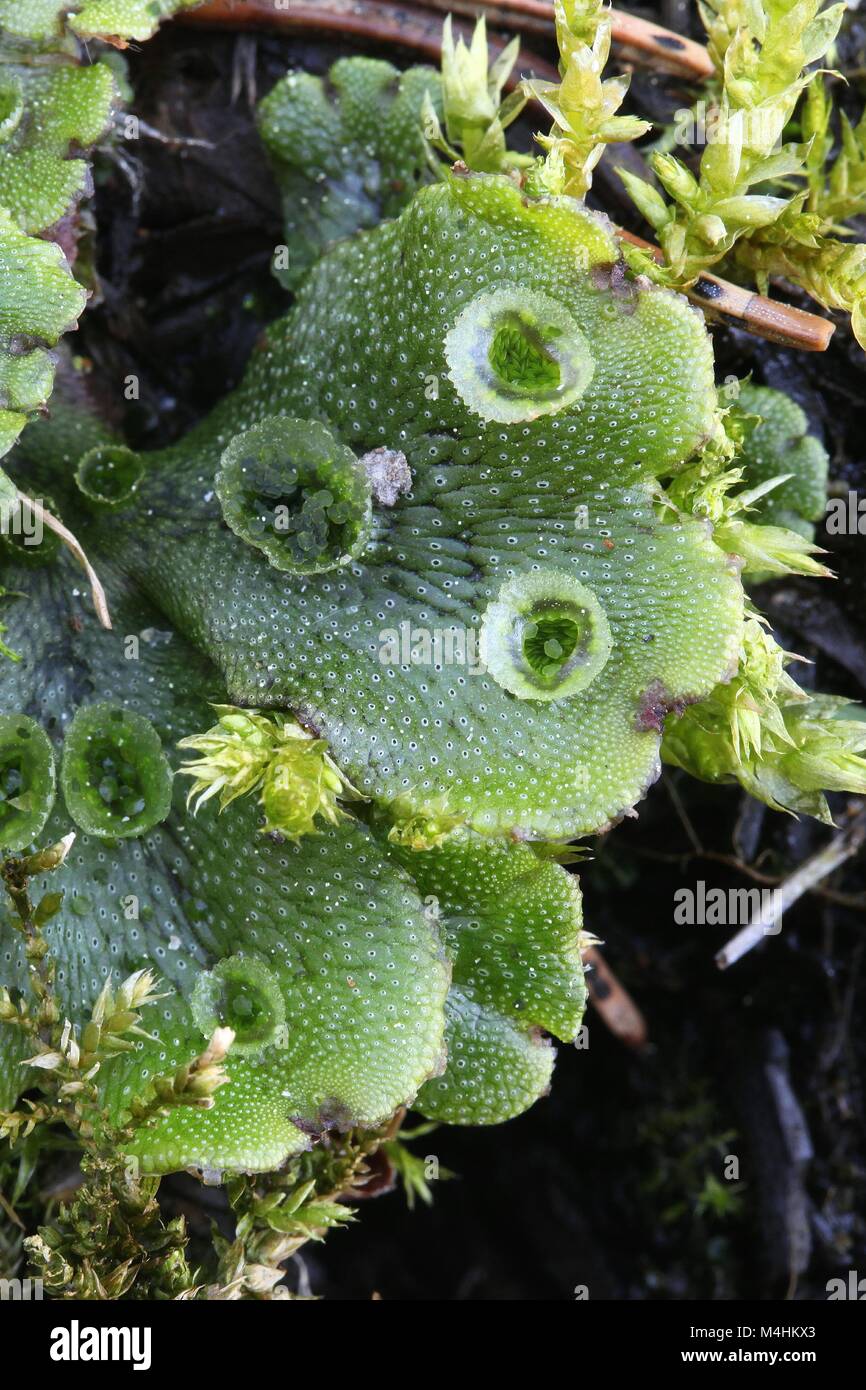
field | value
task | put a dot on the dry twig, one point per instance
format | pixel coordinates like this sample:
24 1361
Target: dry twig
100 602
613 1002
843 846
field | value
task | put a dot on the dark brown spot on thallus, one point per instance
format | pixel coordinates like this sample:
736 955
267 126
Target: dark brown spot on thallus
619 282
19 343
305 1126
331 1114
307 722
334 1114
65 234
654 705
601 273
613 276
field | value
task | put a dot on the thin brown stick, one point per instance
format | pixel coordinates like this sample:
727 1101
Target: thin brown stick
421 31
613 1001
526 16
855 902
100 602
843 846
647 42
661 47
763 317
386 22
377 21
11 1213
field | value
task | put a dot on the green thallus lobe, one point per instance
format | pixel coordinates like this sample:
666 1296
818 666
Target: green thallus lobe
649 399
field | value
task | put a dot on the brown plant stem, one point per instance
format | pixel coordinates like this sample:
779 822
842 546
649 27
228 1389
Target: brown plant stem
646 42
377 21
843 846
100 603
763 317
613 1002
